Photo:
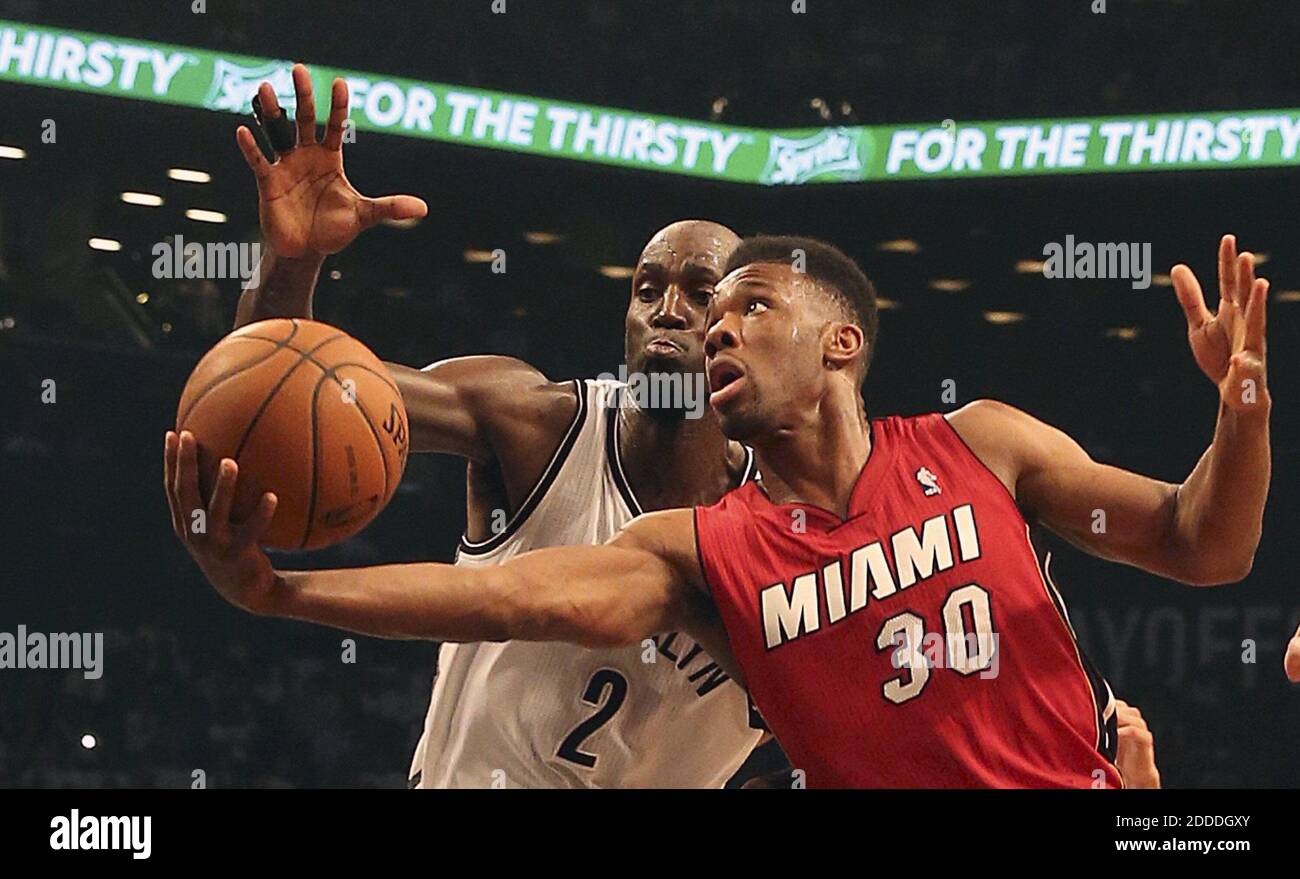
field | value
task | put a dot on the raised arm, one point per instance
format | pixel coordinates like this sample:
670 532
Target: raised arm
1203 531
306 206
481 408
642 582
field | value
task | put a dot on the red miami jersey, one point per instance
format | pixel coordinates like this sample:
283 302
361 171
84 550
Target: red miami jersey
915 643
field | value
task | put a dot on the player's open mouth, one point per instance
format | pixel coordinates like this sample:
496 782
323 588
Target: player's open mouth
725 380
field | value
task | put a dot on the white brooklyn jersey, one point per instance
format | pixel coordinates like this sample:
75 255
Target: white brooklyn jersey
524 714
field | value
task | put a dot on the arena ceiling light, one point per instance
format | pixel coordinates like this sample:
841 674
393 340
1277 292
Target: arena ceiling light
1162 280
899 245
110 245
543 237
478 256
147 199
199 215
884 304
1286 296
949 285
1030 266
617 272
1124 334
12 152
189 175
1004 317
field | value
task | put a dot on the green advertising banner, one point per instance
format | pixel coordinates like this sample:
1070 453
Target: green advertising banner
947 149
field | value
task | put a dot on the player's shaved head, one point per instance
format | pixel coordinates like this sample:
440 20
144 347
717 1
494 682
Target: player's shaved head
703 237
672 287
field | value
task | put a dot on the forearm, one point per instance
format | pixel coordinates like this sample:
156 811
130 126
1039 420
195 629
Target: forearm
283 287
1219 509
408 601
595 596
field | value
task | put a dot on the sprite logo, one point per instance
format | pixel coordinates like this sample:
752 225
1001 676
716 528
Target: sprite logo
234 85
829 151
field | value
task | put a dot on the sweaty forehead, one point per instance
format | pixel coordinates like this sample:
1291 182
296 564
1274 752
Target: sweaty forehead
772 277
703 247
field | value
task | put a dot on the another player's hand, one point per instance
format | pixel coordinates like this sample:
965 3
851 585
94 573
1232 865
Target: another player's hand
1229 344
1292 661
226 552
306 205
1136 753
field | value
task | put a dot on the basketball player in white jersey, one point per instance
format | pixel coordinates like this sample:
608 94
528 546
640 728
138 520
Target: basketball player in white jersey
568 463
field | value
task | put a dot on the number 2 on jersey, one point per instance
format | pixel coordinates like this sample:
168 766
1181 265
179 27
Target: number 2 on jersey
607 706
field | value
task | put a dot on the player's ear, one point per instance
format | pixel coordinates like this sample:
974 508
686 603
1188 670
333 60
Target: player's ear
842 345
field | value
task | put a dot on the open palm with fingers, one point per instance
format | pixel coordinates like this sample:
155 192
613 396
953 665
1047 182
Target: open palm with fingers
1229 345
306 204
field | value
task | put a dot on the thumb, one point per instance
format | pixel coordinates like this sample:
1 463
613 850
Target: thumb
392 207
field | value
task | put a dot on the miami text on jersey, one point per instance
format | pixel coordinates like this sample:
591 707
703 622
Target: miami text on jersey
793 611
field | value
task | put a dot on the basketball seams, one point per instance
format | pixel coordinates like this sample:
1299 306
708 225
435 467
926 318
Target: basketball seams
331 372
326 374
280 345
374 432
376 373
252 423
315 469
307 354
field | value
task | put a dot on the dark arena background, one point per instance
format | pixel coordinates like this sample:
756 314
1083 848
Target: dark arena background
190 683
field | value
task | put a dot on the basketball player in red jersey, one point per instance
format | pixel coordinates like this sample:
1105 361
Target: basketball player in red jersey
911 527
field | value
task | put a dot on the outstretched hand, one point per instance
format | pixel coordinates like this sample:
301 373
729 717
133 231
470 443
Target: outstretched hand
305 203
1229 344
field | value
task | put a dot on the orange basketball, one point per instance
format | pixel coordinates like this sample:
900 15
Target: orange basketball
309 413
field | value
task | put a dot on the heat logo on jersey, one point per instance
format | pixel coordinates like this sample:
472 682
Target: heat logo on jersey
791 612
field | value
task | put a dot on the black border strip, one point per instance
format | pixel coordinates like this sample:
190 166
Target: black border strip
539 490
